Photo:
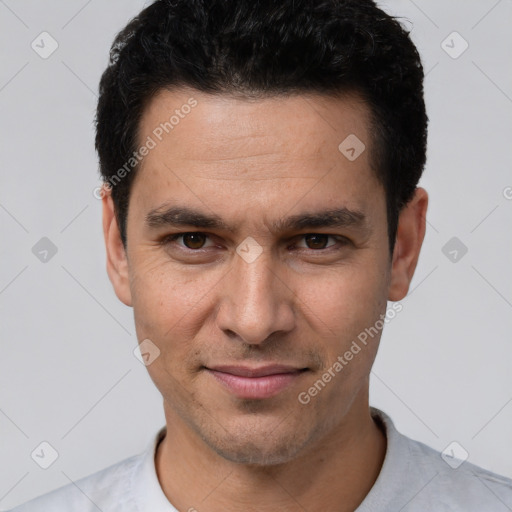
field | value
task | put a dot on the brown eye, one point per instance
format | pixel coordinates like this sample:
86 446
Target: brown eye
193 240
316 241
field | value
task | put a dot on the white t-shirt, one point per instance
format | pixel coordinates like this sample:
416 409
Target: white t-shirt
414 477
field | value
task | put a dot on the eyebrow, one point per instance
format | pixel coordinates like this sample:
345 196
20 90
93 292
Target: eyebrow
175 216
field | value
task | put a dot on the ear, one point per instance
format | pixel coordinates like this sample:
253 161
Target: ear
117 262
409 238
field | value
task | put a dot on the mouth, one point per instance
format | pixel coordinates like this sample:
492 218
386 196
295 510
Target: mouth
256 383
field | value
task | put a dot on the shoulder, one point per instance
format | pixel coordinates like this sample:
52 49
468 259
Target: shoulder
416 477
106 490
458 483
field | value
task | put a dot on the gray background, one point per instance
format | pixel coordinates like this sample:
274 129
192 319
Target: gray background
68 375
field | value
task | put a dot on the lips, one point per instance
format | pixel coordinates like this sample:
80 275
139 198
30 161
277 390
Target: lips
262 371
257 382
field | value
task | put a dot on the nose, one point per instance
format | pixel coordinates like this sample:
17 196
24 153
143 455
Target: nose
256 301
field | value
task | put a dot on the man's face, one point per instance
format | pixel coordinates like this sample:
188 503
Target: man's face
301 302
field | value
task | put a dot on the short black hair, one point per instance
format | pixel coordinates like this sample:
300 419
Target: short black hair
263 48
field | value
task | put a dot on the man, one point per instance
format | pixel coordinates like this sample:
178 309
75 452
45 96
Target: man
260 209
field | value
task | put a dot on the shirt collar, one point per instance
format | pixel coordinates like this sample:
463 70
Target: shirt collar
149 496
147 491
395 469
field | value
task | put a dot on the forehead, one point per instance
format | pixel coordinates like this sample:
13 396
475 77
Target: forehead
268 148
224 127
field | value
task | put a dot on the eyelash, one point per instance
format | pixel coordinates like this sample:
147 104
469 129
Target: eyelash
342 241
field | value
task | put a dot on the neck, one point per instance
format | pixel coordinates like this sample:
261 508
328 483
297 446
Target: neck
334 474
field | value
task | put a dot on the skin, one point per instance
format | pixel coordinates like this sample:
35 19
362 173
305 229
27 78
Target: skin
252 163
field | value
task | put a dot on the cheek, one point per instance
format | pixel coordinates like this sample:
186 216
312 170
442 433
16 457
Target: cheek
341 306
344 299
169 309
170 305
163 293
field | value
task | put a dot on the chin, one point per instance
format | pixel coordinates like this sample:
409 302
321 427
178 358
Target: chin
256 454
261 446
